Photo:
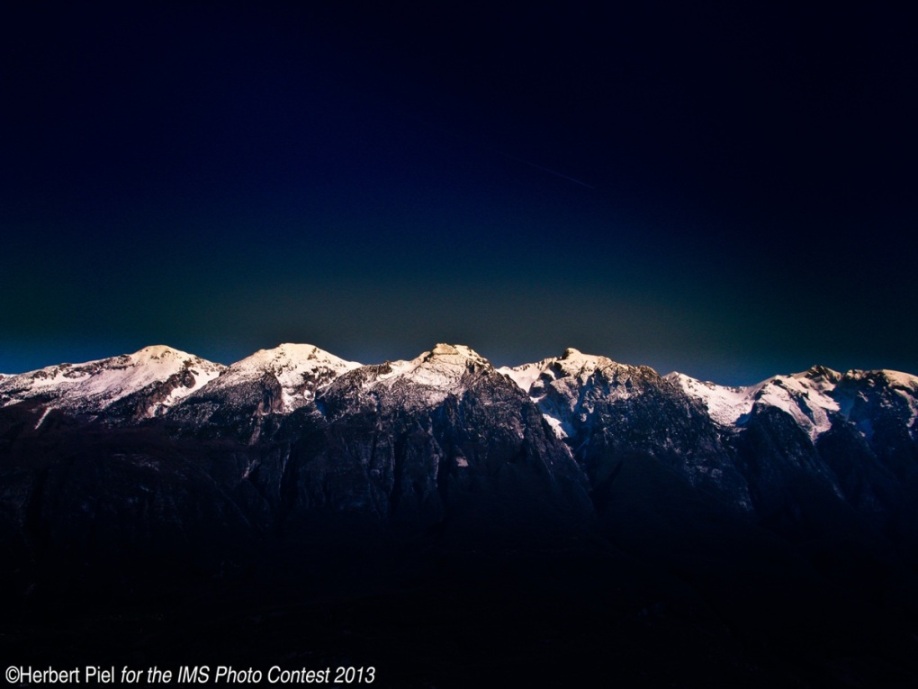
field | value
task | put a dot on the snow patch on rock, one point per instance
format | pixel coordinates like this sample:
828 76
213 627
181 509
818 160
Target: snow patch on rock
725 405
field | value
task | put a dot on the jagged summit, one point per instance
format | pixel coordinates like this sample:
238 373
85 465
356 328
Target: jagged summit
820 373
463 352
443 362
452 355
419 383
429 377
571 364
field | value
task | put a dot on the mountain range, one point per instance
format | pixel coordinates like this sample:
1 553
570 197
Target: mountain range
776 522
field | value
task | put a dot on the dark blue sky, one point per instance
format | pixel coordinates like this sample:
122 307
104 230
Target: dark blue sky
727 191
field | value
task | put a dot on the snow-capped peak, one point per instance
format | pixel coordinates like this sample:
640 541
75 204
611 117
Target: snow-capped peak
577 364
300 369
557 384
427 379
157 353
289 358
452 355
96 385
441 367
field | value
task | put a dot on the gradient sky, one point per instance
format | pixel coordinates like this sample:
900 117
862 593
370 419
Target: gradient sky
725 191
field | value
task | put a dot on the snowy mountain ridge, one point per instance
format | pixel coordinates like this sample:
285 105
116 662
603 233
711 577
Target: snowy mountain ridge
565 388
